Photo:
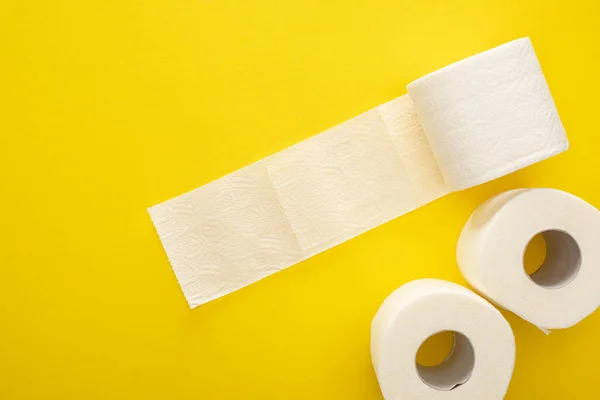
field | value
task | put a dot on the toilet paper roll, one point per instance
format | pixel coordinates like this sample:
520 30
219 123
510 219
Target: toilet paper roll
467 123
488 115
480 364
491 247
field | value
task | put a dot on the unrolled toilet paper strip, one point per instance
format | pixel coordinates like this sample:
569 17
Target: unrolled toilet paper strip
481 363
470 122
491 246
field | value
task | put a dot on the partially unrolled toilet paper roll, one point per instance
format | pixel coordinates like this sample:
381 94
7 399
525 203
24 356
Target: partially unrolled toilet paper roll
470 122
492 244
481 363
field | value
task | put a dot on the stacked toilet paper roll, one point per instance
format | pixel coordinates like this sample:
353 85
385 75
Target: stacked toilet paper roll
470 122
491 247
481 363
490 252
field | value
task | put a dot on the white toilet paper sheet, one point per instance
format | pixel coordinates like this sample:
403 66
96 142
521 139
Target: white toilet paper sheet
468 123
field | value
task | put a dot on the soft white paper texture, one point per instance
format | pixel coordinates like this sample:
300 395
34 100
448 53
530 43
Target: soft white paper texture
488 115
422 308
492 244
226 235
341 183
472 121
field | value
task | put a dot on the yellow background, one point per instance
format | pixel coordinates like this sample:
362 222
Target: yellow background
108 107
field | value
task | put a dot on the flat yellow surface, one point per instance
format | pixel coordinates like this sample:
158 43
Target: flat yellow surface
108 107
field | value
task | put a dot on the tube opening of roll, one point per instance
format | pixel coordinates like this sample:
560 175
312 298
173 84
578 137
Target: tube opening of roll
455 370
561 263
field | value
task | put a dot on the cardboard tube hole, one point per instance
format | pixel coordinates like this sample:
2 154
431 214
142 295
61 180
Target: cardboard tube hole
562 261
455 370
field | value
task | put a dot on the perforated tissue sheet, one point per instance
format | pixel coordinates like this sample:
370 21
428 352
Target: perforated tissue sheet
463 125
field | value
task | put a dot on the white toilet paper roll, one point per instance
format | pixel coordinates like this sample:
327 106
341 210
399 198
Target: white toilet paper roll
472 121
481 363
492 245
